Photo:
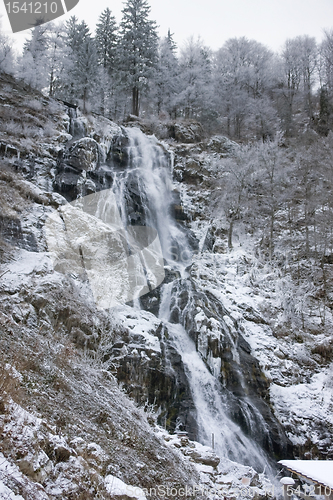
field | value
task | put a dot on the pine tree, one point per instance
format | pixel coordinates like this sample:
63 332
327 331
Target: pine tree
137 49
106 40
167 77
106 45
83 73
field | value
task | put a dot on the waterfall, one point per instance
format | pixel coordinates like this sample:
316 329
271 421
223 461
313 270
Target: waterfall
211 405
149 165
149 176
121 238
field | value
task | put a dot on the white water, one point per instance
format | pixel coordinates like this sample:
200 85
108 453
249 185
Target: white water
149 168
142 194
230 441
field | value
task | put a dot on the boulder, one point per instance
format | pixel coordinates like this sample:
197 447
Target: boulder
222 145
204 456
187 132
83 155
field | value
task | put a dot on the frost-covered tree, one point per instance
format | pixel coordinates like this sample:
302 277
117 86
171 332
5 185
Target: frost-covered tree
268 189
137 57
326 61
233 182
300 64
6 52
325 64
83 72
166 80
106 45
34 63
195 83
58 57
244 74
45 60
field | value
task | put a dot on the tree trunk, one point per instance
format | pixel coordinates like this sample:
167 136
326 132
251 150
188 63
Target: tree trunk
135 101
51 84
231 226
84 111
271 235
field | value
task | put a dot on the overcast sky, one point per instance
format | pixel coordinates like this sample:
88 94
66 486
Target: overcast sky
270 22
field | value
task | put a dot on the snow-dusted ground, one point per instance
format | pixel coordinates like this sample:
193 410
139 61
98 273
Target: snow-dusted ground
301 387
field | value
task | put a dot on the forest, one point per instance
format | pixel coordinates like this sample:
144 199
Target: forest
243 90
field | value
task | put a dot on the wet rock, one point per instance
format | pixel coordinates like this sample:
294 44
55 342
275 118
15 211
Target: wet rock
118 154
83 155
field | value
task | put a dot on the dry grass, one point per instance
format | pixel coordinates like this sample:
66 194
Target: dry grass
9 385
27 117
16 195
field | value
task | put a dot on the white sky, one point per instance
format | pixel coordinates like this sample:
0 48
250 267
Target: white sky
270 22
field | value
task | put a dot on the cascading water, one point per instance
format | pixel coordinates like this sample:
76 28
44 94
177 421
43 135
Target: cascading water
107 237
212 417
148 178
144 194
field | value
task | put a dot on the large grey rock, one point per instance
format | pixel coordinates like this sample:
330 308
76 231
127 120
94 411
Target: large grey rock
83 155
188 132
222 145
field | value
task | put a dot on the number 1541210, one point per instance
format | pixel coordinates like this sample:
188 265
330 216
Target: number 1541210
32 7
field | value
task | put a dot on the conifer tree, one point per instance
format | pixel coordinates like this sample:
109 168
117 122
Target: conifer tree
137 48
167 76
83 73
106 40
106 45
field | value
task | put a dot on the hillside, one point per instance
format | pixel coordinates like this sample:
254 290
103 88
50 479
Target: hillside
91 395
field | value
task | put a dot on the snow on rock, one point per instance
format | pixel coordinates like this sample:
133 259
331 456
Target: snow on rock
98 128
141 325
219 477
306 408
117 488
12 479
19 271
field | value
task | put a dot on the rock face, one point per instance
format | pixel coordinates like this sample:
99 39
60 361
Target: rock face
86 165
222 145
187 132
